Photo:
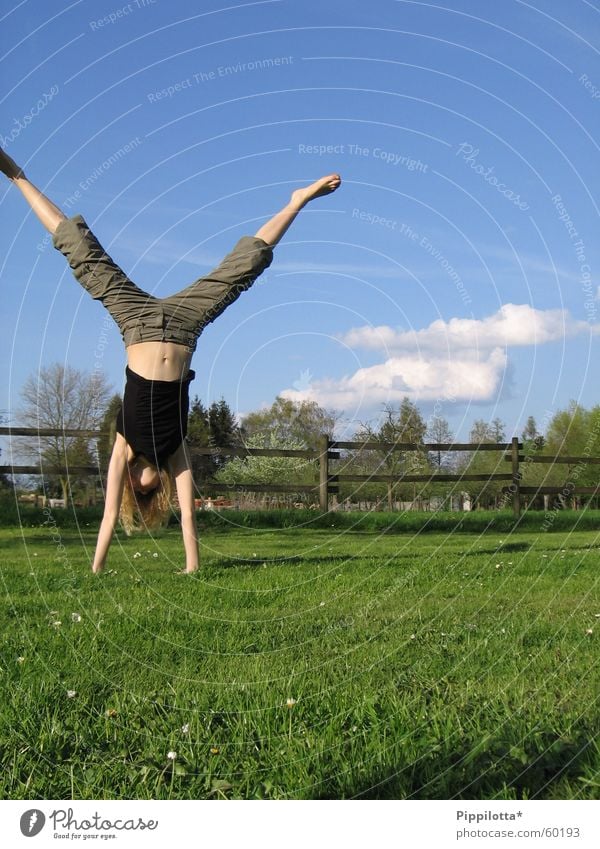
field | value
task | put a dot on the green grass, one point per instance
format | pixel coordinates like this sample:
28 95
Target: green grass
447 664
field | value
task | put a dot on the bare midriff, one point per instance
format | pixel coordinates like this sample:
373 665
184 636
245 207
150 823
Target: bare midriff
159 360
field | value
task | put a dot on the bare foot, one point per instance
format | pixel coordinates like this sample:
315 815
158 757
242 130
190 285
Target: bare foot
186 572
9 167
324 186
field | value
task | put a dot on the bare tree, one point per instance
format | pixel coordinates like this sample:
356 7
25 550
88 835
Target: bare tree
438 430
62 398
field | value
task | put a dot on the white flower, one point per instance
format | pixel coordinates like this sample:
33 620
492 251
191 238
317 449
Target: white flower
155 554
137 554
171 755
75 617
589 632
57 623
35 553
185 728
322 604
71 694
413 636
290 702
21 659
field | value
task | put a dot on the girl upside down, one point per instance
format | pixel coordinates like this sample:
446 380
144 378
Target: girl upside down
150 456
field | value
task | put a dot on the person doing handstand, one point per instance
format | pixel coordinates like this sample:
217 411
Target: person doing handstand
150 457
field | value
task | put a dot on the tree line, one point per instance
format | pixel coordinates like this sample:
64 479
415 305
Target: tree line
62 397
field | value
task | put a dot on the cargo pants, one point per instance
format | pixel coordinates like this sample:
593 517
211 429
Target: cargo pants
141 317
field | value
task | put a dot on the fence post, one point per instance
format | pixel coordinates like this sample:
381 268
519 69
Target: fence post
324 472
516 475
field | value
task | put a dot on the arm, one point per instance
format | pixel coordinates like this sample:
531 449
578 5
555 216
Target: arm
48 213
181 467
117 469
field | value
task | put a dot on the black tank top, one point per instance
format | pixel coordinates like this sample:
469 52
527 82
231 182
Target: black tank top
154 416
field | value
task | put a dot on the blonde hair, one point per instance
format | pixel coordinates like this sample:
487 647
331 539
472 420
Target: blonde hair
141 512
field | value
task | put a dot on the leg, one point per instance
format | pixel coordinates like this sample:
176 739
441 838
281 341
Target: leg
199 304
49 214
203 301
99 274
273 230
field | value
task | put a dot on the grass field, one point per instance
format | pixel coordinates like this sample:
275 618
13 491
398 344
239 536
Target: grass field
302 662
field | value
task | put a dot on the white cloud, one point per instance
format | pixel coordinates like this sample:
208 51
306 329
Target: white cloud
466 376
460 359
511 325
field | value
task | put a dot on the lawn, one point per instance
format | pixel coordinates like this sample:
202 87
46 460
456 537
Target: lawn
301 662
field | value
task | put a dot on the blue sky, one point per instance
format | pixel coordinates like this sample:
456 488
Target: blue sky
456 265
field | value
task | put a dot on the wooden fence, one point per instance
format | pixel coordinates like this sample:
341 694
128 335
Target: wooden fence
328 482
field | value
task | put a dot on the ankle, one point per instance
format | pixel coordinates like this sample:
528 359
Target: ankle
297 201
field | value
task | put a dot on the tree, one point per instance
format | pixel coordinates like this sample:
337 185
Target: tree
480 432
397 426
215 427
568 431
574 432
61 397
198 432
288 425
223 428
439 431
198 436
291 421
485 493
530 432
257 469
5 484
497 430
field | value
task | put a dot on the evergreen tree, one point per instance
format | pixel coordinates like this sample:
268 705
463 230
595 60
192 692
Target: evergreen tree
214 427
198 436
497 430
530 432
222 424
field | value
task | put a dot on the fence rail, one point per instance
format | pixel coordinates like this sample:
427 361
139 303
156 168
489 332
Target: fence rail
329 449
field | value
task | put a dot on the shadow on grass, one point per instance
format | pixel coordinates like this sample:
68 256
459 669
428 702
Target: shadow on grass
507 548
530 769
259 562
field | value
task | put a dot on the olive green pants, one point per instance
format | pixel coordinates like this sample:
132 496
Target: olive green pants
141 317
